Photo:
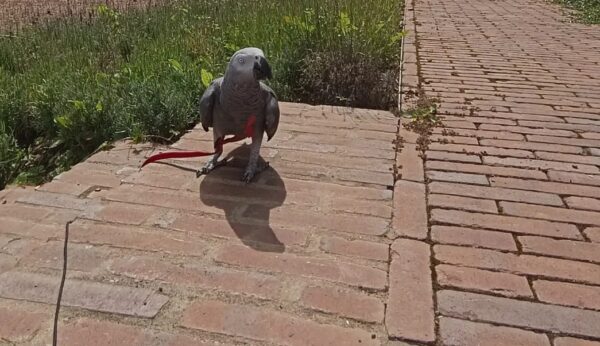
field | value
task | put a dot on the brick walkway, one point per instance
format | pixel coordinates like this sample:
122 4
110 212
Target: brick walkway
494 239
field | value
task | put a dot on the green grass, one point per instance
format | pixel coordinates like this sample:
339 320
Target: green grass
587 11
70 87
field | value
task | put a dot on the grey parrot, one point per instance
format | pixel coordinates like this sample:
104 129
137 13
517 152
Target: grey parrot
229 102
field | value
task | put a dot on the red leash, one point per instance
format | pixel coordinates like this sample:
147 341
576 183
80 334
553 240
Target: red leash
248 132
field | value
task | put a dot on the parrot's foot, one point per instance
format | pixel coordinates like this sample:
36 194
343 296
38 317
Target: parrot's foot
251 172
209 167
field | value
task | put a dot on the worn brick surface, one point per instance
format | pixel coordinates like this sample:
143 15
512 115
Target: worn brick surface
455 332
268 325
87 295
349 304
410 312
481 280
18 325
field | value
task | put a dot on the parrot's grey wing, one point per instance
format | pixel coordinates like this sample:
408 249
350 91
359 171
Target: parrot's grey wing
207 103
271 112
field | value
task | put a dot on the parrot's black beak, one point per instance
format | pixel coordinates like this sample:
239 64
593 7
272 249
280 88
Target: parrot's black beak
262 69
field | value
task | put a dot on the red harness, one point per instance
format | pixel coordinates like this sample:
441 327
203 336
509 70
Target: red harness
248 132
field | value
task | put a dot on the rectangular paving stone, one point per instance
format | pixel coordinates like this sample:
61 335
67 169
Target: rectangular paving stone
456 332
410 313
505 223
268 325
410 213
89 295
512 312
482 280
473 237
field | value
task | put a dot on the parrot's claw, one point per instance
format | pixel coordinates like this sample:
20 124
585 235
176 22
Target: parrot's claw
209 167
251 172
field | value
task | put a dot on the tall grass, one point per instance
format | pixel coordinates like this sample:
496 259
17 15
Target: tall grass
70 86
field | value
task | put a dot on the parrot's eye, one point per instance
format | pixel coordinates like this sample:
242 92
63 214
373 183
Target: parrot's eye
241 60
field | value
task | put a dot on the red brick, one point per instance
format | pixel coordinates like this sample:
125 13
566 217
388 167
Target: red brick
473 237
483 134
484 169
461 124
292 217
576 178
551 213
91 174
345 303
454 139
569 294
410 163
410 314
528 130
238 282
57 200
539 164
95 296
194 224
85 331
25 212
590 135
268 325
561 248
334 160
545 186
458 177
455 332
125 213
30 228
448 156
331 270
464 203
495 193
593 233
18 325
410 213
531 146
569 341
504 284
355 248
165 198
58 186
136 238
98 333
519 264
481 150
560 126
49 255
519 313
588 160
505 223
564 140
583 203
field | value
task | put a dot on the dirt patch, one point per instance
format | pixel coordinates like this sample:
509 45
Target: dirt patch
18 14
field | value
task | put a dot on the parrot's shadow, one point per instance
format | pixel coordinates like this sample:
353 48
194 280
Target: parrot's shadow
247 207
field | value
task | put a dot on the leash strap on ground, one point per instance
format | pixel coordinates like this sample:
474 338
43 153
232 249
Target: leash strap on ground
248 132
62 286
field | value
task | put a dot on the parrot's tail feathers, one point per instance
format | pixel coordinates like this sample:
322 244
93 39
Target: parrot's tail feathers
175 154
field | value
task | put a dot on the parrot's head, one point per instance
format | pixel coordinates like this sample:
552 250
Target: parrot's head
249 63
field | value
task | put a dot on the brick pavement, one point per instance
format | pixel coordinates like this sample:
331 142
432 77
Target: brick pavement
489 237
505 203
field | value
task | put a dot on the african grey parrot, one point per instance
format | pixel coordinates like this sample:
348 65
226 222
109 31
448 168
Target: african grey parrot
229 102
